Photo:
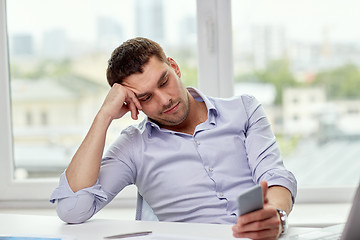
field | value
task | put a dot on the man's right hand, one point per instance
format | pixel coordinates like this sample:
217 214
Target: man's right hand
119 101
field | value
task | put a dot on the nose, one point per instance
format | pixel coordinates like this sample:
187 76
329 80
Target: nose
163 98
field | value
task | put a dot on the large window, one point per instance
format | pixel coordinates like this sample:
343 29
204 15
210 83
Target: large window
53 58
301 60
58 53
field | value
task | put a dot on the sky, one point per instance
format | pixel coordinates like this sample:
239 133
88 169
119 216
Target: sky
79 17
303 19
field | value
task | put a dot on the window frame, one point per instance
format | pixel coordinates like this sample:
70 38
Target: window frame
215 74
215 47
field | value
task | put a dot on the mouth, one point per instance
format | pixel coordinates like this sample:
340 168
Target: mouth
172 109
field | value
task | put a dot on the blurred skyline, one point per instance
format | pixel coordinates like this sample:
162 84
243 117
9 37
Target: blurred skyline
303 20
79 19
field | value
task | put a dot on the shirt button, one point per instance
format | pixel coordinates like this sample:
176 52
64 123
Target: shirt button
221 194
211 169
197 142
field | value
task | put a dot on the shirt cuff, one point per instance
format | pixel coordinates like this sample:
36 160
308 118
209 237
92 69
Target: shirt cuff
284 178
64 191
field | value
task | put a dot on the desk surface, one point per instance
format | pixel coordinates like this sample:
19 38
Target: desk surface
16 224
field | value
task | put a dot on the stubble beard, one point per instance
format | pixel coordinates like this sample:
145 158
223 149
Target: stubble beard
163 121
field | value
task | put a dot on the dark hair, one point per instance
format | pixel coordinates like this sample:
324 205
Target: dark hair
130 57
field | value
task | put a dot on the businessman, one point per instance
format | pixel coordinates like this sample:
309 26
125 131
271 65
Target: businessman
189 158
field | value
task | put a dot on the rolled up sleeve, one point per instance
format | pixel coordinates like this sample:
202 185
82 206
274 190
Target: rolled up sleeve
77 207
116 172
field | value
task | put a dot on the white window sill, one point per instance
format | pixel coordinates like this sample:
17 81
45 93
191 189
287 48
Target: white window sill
319 214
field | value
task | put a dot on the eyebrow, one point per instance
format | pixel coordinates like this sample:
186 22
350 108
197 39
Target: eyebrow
163 75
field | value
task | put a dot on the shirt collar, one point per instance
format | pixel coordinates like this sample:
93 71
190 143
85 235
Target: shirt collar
198 96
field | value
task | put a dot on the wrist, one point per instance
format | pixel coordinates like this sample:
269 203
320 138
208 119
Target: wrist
283 220
101 122
104 116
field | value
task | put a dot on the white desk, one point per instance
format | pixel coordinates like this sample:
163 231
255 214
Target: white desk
96 229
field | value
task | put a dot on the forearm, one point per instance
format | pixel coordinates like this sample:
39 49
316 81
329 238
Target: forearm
83 169
280 197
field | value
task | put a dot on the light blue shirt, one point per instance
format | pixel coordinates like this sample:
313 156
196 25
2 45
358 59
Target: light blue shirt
187 178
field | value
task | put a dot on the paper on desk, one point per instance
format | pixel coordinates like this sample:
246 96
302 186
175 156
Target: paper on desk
32 237
156 236
26 238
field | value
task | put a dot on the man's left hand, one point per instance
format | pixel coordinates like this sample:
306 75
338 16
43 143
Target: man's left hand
263 224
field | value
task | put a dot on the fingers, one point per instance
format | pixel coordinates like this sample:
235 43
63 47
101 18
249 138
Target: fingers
261 224
258 235
119 101
133 110
260 215
270 234
264 187
130 97
133 104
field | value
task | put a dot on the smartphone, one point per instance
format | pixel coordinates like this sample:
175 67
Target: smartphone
250 200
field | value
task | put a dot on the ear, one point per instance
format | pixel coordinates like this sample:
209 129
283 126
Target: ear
174 65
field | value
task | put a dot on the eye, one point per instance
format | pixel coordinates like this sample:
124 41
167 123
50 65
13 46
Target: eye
164 82
145 98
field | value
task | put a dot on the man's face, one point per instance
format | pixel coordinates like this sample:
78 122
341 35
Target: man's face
163 97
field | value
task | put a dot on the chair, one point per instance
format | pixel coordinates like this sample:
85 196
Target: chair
143 211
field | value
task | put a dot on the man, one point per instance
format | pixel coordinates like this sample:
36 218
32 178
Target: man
190 158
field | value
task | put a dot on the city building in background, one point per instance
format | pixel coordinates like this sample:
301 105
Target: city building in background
309 52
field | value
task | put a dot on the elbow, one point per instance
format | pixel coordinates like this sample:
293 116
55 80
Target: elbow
68 217
72 213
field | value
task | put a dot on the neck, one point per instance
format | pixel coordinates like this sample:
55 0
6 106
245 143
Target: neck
197 114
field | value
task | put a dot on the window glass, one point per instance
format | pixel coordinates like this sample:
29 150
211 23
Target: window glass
58 53
301 60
